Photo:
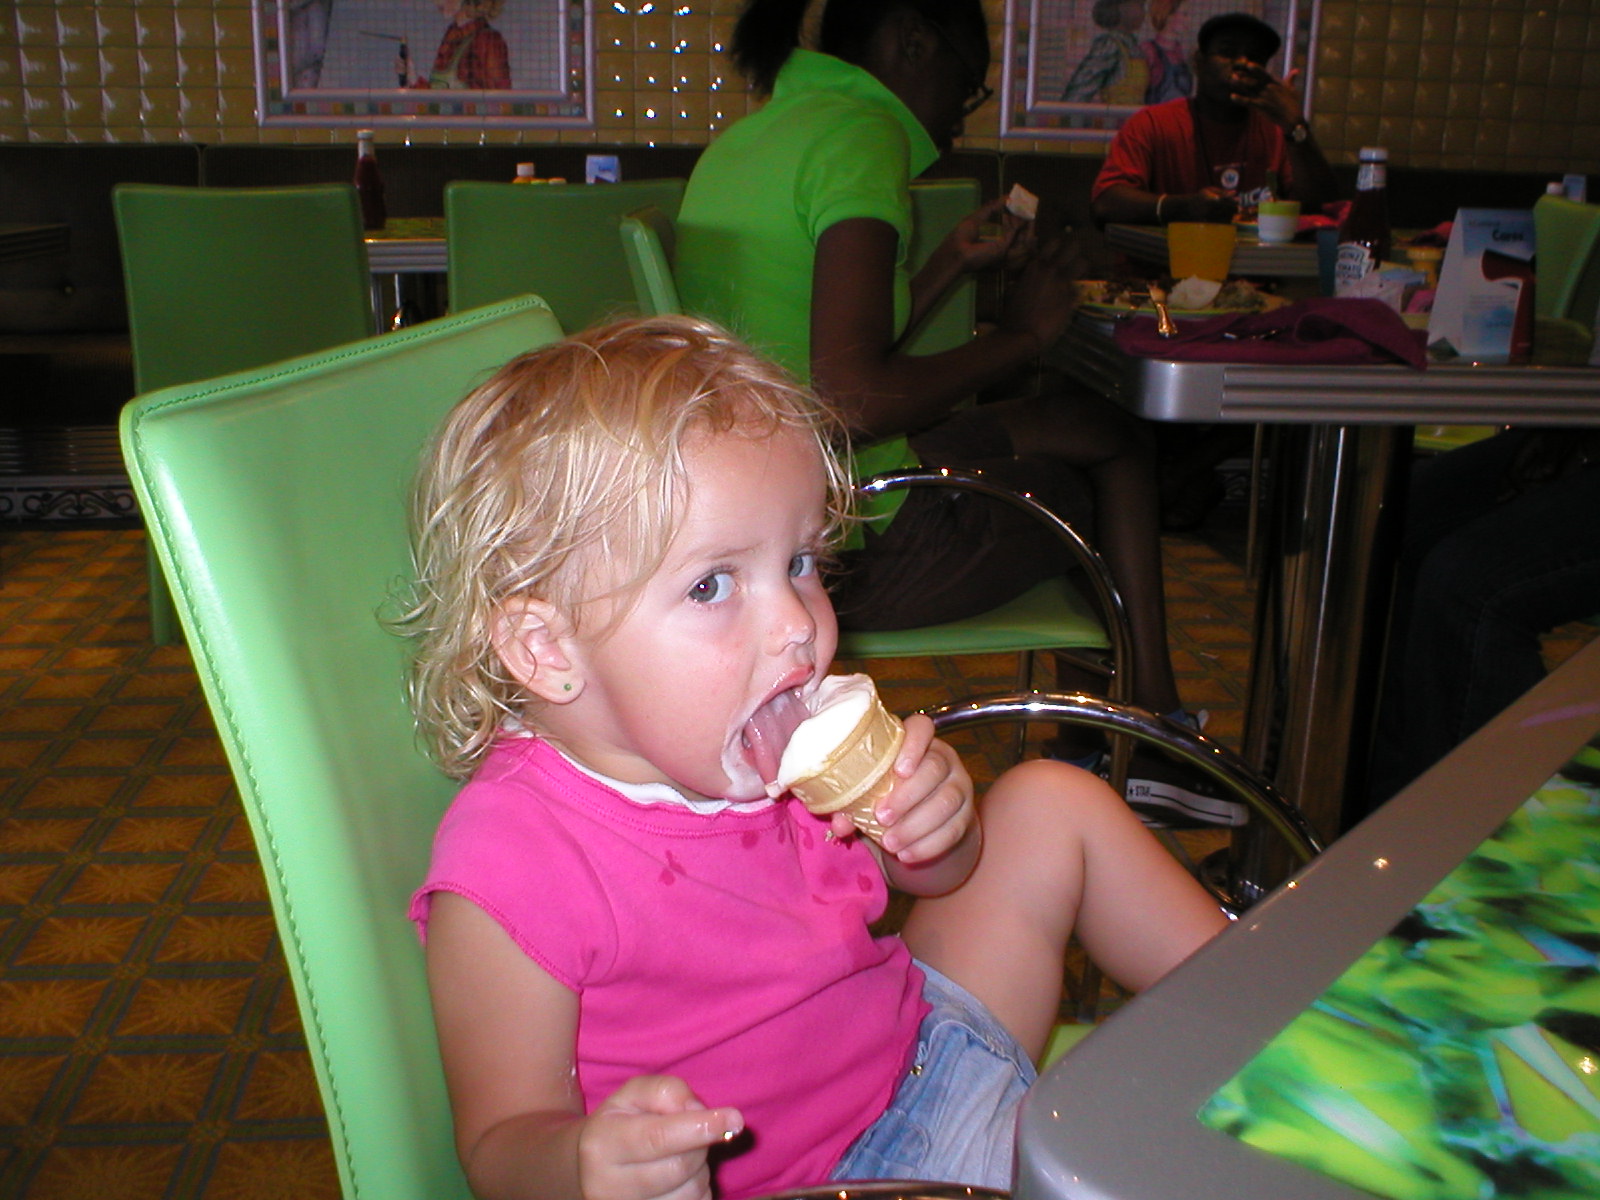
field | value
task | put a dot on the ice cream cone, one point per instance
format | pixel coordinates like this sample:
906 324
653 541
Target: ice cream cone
856 773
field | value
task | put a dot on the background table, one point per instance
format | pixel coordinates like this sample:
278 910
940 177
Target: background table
1340 448
404 246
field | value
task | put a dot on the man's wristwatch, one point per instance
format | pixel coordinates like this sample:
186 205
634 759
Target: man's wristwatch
1299 133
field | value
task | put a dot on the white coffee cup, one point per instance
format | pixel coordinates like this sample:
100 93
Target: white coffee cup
1277 220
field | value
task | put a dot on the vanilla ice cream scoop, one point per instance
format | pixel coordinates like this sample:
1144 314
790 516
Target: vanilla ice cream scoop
841 758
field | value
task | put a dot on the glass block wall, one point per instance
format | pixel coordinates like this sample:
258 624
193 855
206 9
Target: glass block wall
1486 84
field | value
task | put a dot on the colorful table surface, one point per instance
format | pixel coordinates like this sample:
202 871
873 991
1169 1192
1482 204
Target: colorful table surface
1412 1015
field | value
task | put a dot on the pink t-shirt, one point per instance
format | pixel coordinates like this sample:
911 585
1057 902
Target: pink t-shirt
729 949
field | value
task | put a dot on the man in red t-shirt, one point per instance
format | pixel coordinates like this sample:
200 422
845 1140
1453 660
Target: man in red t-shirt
1200 159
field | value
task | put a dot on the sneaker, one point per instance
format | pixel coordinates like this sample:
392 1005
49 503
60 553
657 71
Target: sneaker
1165 796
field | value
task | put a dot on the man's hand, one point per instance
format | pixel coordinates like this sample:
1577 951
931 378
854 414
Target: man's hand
1208 204
1277 100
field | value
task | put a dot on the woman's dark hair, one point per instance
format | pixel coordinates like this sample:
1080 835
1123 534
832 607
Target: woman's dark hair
769 30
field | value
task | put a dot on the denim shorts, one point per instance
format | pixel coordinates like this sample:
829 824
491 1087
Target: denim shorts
953 1117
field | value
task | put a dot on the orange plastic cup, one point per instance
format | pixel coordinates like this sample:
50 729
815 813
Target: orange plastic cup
1200 249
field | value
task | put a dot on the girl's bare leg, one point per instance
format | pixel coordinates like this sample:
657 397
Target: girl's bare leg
1062 854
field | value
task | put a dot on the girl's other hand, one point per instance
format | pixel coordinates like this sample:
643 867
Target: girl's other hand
1043 296
931 807
648 1141
986 237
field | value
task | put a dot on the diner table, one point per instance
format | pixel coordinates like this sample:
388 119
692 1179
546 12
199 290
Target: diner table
1340 443
404 246
1123 1115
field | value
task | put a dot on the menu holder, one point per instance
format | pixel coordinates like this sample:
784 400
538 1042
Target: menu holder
1483 310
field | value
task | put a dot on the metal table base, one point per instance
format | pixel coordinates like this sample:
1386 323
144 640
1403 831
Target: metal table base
1339 457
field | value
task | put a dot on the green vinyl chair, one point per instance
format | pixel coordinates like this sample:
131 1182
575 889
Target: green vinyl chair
223 279
558 241
277 501
650 244
1566 267
1053 616
936 206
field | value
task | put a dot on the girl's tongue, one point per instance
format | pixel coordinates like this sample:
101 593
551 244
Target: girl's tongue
768 730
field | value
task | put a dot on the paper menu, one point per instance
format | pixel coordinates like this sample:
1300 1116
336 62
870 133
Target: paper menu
1484 307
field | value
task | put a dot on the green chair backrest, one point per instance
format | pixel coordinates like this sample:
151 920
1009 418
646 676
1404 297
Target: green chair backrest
1566 267
648 242
936 206
278 502
558 241
223 279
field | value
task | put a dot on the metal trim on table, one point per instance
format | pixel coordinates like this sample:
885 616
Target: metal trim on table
1444 393
1339 460
407 256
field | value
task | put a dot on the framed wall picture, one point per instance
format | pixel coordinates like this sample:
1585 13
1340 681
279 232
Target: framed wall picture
1079 68
425 62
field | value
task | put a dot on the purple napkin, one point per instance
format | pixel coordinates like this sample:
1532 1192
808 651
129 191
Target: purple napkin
1320 330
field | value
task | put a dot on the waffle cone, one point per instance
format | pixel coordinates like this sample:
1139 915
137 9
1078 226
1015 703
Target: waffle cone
858 773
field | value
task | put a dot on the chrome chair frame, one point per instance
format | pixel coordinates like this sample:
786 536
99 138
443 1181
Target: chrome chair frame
1117 663
1230 877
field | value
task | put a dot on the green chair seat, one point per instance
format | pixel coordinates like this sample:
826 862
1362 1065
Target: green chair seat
1048 616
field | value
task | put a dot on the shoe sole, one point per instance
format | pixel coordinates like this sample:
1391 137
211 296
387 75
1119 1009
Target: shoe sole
1162 806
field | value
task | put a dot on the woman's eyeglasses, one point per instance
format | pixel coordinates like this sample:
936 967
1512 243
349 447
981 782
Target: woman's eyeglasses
978 92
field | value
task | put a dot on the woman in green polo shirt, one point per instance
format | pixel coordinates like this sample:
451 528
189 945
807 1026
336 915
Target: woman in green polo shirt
793 231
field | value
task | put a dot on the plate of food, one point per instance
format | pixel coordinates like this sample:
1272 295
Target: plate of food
1187 298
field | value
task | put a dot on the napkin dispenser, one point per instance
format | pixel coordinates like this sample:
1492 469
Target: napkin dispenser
1483 310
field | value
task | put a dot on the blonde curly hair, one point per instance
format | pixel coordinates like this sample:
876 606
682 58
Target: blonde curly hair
570 456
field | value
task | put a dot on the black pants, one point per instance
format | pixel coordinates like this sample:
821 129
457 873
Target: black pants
950 554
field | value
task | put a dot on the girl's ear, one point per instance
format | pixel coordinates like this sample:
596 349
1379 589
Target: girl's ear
535 642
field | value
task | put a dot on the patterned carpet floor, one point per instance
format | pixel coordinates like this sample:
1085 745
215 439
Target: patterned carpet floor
150 1048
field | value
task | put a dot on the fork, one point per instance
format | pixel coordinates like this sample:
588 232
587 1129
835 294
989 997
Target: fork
1164 324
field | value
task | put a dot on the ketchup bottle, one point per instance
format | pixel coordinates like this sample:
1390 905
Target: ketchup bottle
369 184
1364 232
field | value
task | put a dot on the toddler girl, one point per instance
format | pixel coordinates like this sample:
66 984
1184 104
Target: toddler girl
650 977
